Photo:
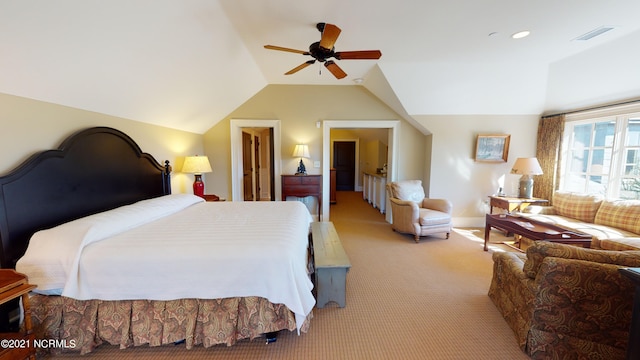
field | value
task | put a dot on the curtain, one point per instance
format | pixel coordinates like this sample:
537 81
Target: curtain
550 131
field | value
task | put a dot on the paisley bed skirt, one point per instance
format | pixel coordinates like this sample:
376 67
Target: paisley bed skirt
83 325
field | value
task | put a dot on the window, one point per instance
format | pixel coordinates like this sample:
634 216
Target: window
630 182
601 153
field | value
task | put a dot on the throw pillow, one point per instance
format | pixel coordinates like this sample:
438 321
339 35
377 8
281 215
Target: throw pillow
582 207
621 214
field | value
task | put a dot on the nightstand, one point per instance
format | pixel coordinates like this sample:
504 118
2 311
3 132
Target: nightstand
20 345
301 186
212 197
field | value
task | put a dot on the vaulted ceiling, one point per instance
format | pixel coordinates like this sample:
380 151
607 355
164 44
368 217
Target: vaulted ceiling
187 64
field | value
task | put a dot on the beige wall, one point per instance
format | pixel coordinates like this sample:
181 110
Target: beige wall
30 126
454 173
443 159
298 108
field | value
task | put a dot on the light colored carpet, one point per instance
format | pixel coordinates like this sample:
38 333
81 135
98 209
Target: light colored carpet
404 301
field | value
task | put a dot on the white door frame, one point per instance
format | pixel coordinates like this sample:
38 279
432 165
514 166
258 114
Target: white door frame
327 125
236 154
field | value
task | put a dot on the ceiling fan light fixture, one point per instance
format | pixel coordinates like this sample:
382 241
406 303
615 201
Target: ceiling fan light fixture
521 34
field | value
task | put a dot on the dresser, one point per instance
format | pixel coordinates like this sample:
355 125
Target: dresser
17 346
303 186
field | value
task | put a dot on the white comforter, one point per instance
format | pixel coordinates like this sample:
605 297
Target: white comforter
178 246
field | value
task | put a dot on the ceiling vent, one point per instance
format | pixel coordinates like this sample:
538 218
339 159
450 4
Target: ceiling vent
593 33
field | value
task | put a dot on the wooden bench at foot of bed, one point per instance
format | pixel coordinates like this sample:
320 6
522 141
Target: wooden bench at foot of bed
331 264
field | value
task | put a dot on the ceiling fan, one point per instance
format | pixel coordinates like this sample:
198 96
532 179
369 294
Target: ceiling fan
323 50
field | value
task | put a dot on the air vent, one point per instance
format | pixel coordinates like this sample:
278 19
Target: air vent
593 33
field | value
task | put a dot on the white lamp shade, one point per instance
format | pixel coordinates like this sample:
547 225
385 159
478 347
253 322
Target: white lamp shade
301 151
196 165
527 166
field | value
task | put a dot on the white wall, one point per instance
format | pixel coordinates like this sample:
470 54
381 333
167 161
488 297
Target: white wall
605 74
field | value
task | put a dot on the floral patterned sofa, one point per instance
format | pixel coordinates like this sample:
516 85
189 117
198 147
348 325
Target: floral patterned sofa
565 302
614 224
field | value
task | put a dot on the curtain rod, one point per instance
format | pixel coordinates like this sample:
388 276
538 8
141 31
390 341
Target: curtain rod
593 108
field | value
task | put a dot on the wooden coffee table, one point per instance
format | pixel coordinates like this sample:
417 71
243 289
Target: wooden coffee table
534 230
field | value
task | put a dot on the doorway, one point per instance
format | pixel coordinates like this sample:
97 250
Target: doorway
247 168
257 164
392 172
269 159
344 162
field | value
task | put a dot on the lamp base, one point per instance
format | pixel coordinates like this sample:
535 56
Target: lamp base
302 170
198 186
526 187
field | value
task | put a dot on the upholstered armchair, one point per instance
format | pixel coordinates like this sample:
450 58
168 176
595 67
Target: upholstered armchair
412 213
564 301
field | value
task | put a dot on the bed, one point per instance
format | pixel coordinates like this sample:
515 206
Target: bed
118 259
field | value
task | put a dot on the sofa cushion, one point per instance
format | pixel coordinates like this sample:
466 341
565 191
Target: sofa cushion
409 190
621 244
623 214
596 230
430 217
542 249
582 207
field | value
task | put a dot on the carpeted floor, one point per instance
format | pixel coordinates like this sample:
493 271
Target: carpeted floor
404 301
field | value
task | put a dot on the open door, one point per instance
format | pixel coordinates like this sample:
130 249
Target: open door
258 164
272 171
256 167
271 160
247 176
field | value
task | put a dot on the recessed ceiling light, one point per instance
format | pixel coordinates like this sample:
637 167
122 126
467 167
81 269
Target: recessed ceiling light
521 34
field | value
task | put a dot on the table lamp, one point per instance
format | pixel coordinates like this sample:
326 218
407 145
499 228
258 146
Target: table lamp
301 151
197 165
527 167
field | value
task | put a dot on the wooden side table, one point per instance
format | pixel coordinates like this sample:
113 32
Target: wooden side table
303 186
17 346
511 204
212 197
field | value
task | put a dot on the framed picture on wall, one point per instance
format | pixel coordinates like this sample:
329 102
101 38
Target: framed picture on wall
492 148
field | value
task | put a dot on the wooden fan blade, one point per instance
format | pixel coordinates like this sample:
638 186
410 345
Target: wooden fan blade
330 34
280 48
299 67
335 69
358 55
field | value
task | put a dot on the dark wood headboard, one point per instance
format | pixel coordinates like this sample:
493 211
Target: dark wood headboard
93 170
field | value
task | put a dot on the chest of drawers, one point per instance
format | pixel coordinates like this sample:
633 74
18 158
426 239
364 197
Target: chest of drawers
303 186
